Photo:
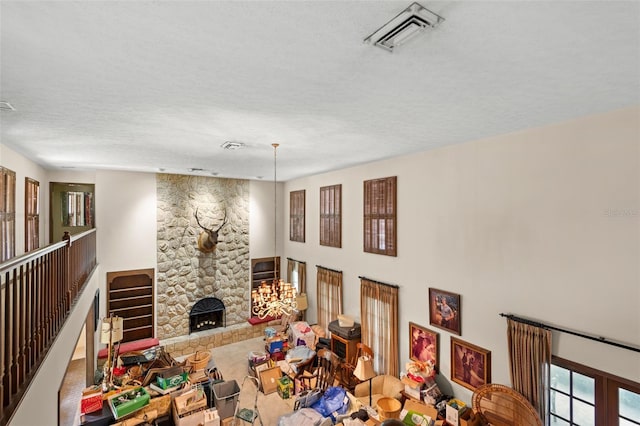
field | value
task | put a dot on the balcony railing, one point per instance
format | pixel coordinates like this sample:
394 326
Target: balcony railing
38 292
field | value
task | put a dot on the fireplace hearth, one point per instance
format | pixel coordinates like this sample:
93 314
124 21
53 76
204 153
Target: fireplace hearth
206 314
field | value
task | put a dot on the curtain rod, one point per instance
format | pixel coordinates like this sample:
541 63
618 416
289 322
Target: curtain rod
328 269
563 330
293 260
378 282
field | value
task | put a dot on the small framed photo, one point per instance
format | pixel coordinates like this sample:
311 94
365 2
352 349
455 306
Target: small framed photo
269 379
259 368
423 344
470 364
444 310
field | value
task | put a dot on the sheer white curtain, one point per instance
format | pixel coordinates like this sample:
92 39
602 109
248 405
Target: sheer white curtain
329 296
379 312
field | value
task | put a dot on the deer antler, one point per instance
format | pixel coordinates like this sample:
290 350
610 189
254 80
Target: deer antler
224 221
198 220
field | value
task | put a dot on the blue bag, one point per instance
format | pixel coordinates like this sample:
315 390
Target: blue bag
334 402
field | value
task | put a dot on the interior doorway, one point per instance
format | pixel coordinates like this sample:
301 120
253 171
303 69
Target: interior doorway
79 373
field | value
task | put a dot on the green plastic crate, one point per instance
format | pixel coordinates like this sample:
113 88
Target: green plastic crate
128 401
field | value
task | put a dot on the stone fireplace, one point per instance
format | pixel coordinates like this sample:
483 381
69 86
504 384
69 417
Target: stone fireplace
186 275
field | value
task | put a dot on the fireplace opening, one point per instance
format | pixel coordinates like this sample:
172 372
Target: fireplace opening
206 314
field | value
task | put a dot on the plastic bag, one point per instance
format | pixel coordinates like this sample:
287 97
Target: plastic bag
334 402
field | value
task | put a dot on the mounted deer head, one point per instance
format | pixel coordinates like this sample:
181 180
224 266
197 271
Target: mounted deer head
208 239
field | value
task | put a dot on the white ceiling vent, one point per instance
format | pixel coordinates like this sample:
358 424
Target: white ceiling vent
403 27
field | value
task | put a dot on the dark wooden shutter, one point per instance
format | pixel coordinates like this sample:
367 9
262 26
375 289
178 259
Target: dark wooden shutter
380 216
331 216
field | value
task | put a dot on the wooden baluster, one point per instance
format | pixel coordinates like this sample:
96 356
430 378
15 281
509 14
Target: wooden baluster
58 287
61 287
15 344
46 284
42 307
53 284
4 400
69 296
21 309
32 314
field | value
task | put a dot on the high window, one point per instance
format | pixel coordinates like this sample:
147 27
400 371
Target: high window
32 214
296 215
331 216
380 221
7 214
580 395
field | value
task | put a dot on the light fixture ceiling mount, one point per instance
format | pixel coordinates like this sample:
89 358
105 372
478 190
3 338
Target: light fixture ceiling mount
232 145
411 21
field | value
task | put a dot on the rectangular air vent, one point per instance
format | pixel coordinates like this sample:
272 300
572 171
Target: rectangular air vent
403 27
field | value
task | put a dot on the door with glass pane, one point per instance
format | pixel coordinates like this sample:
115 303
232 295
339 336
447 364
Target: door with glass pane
579 395
628 404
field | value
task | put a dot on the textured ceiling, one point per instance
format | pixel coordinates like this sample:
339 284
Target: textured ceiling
143 86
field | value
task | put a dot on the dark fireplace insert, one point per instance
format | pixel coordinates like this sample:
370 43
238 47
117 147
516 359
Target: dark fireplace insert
207 313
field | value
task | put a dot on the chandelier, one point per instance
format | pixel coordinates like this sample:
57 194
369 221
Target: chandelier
273 300
278 297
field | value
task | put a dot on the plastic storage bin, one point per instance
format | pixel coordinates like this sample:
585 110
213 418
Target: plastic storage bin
225 395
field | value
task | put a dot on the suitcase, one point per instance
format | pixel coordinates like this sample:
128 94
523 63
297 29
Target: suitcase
347 333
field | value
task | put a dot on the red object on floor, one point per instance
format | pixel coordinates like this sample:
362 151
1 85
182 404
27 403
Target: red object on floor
136 345
257 320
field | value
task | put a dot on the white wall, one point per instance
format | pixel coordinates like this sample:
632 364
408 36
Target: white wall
261 213
126 220
542 223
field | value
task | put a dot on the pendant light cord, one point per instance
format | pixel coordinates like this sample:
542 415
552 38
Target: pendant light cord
275 210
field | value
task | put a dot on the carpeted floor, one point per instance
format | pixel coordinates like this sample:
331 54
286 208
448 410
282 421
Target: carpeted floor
231 361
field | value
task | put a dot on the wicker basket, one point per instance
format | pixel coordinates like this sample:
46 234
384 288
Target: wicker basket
198 360
388 408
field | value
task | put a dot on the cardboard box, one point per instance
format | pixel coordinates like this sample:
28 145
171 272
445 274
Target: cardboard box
269 379
128 402
211 417
418 407
412 388
91 400
274 344
469 418
285 387
454 410
200 418
188 402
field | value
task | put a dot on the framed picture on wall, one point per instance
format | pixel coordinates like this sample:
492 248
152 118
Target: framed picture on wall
444 310
470 364
423 344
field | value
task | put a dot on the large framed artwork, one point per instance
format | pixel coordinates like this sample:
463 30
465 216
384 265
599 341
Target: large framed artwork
423 344
444 310
470 364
